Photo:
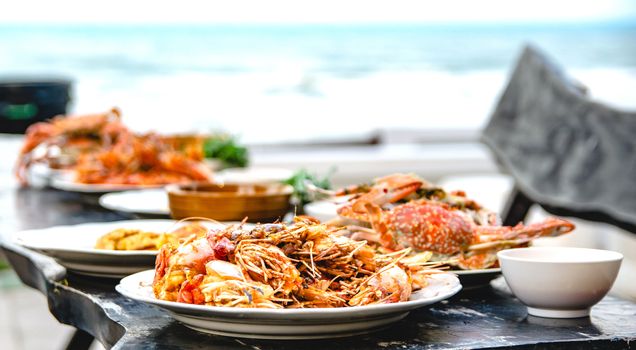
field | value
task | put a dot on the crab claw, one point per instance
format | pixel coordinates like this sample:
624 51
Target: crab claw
388 189
479 261
384 195
491 236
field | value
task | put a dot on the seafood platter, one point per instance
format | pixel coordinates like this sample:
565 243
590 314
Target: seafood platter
394 245
98 153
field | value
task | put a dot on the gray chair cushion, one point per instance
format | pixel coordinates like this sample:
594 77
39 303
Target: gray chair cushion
572 155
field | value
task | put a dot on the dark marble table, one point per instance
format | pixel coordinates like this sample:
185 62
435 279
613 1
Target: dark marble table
483 318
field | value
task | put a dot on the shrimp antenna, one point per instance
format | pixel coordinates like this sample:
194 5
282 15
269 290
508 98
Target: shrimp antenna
193 218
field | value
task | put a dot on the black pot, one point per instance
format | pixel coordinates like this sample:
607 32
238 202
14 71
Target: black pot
25 101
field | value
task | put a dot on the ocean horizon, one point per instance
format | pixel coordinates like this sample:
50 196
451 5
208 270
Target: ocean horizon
279 83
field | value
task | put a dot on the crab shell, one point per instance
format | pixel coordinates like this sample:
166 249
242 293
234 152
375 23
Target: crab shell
426 227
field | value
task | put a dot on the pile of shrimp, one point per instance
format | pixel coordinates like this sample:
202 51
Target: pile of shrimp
302 265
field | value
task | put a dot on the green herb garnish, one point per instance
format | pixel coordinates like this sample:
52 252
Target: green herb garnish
227 150
302 195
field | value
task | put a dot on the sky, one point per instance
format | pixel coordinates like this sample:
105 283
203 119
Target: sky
314 12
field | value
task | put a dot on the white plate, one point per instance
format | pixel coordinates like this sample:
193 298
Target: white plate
68 183
72 246
149 201
253 175
472 279
40 174
288 323
322 210
495 270
154 201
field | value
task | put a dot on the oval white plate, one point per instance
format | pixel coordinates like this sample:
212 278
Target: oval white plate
323 210
154 201
66 182
73 247
149 201
288 323
253 175
472 279
40 173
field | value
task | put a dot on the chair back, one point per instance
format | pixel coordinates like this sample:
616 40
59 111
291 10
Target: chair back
566 152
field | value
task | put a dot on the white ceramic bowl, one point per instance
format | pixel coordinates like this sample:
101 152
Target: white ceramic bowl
322 210
559 282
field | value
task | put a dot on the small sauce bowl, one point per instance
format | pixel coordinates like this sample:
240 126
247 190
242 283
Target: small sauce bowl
229 202
559 282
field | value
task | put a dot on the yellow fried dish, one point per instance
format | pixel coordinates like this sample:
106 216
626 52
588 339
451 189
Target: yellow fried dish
129 239
136 239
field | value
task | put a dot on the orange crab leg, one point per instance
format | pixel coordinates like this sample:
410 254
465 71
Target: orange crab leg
385 236
494 234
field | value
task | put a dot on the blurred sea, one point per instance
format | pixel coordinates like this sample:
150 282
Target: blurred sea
285 83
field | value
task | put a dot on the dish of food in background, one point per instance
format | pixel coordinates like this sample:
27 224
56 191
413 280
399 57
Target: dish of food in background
287 266
148 159
223 202
73 246
66 182
60 141
402 210
100 149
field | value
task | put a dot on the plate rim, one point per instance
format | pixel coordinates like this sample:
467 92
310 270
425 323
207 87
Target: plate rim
16 238
223 176
220 311
66 183
108 271
477 271
103 201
